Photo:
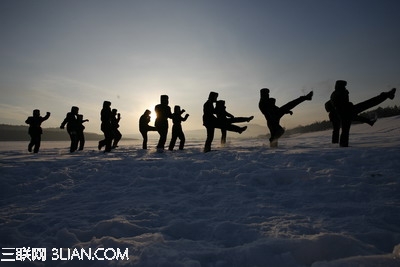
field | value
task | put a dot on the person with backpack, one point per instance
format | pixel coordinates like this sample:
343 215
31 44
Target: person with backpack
348 112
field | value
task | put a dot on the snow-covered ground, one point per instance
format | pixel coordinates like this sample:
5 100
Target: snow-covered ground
306 203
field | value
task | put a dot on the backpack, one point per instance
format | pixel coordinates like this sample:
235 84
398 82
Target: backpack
329 106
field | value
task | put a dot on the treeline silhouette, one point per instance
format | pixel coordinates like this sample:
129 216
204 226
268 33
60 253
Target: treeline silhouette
327 125
20 133
382 112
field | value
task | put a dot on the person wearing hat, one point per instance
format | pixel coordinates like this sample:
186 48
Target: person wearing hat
105 116
209 120
334 117
71 120
273 113
347 112
163 113
35 129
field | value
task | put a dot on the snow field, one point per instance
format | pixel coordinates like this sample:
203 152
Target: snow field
306 203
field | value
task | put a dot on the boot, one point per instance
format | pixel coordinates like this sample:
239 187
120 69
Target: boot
309 95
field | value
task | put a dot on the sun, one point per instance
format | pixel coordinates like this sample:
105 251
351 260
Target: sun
153 113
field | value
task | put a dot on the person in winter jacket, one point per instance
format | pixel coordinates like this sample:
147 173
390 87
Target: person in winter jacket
273 113
144 127
347 112
81 128
35 129
177 131
334 118
210 121
163 113
106 128
115 118
226 119
71 121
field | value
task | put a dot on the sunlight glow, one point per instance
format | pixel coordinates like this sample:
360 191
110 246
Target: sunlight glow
152 115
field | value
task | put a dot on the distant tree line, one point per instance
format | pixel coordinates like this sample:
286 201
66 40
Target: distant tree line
326 124
313 127
20 133
382 112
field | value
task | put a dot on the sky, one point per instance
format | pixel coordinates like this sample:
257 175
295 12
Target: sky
59 54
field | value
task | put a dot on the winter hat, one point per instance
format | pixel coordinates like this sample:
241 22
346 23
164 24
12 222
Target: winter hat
213 96
264 92
164 99
340 84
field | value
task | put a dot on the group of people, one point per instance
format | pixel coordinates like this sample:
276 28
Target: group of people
217 117
341 111
109 126
74 122
163 113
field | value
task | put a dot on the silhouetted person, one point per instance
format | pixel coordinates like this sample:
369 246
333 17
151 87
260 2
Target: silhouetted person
210 121
115 118
81 128
35 129
163 112
144 127
226 119
273 113
106 128
335 120
177 131
347 111
71 121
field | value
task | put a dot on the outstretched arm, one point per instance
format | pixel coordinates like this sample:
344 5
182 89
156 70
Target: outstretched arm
46 117
64 122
